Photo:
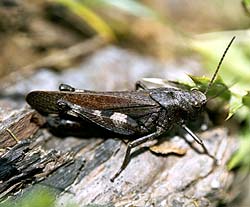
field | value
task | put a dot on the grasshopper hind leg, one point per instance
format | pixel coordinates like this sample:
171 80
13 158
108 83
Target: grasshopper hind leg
133 144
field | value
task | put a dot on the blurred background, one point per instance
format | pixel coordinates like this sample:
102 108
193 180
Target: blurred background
134 40
164 29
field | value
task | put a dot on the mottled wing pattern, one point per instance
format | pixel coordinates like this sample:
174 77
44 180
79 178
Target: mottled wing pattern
137 105
114 121
134 103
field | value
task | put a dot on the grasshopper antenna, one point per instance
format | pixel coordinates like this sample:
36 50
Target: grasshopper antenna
218 67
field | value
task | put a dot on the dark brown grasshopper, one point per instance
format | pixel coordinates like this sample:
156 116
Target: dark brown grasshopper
141 114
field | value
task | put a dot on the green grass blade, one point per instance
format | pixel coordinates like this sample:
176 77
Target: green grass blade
90 17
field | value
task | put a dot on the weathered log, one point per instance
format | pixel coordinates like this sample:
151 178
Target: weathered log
18 125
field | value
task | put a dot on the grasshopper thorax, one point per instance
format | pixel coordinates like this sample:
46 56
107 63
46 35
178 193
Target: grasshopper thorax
181 104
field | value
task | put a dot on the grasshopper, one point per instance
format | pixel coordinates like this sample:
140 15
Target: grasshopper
142 114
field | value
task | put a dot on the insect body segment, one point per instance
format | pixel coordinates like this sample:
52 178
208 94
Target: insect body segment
186 103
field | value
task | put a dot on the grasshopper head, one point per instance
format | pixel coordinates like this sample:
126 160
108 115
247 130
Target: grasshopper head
198 99
193 103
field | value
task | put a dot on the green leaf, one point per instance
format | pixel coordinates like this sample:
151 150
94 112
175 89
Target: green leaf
38 196
246 99
217 89
241 157
200 82
90 17
247 2
235 104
